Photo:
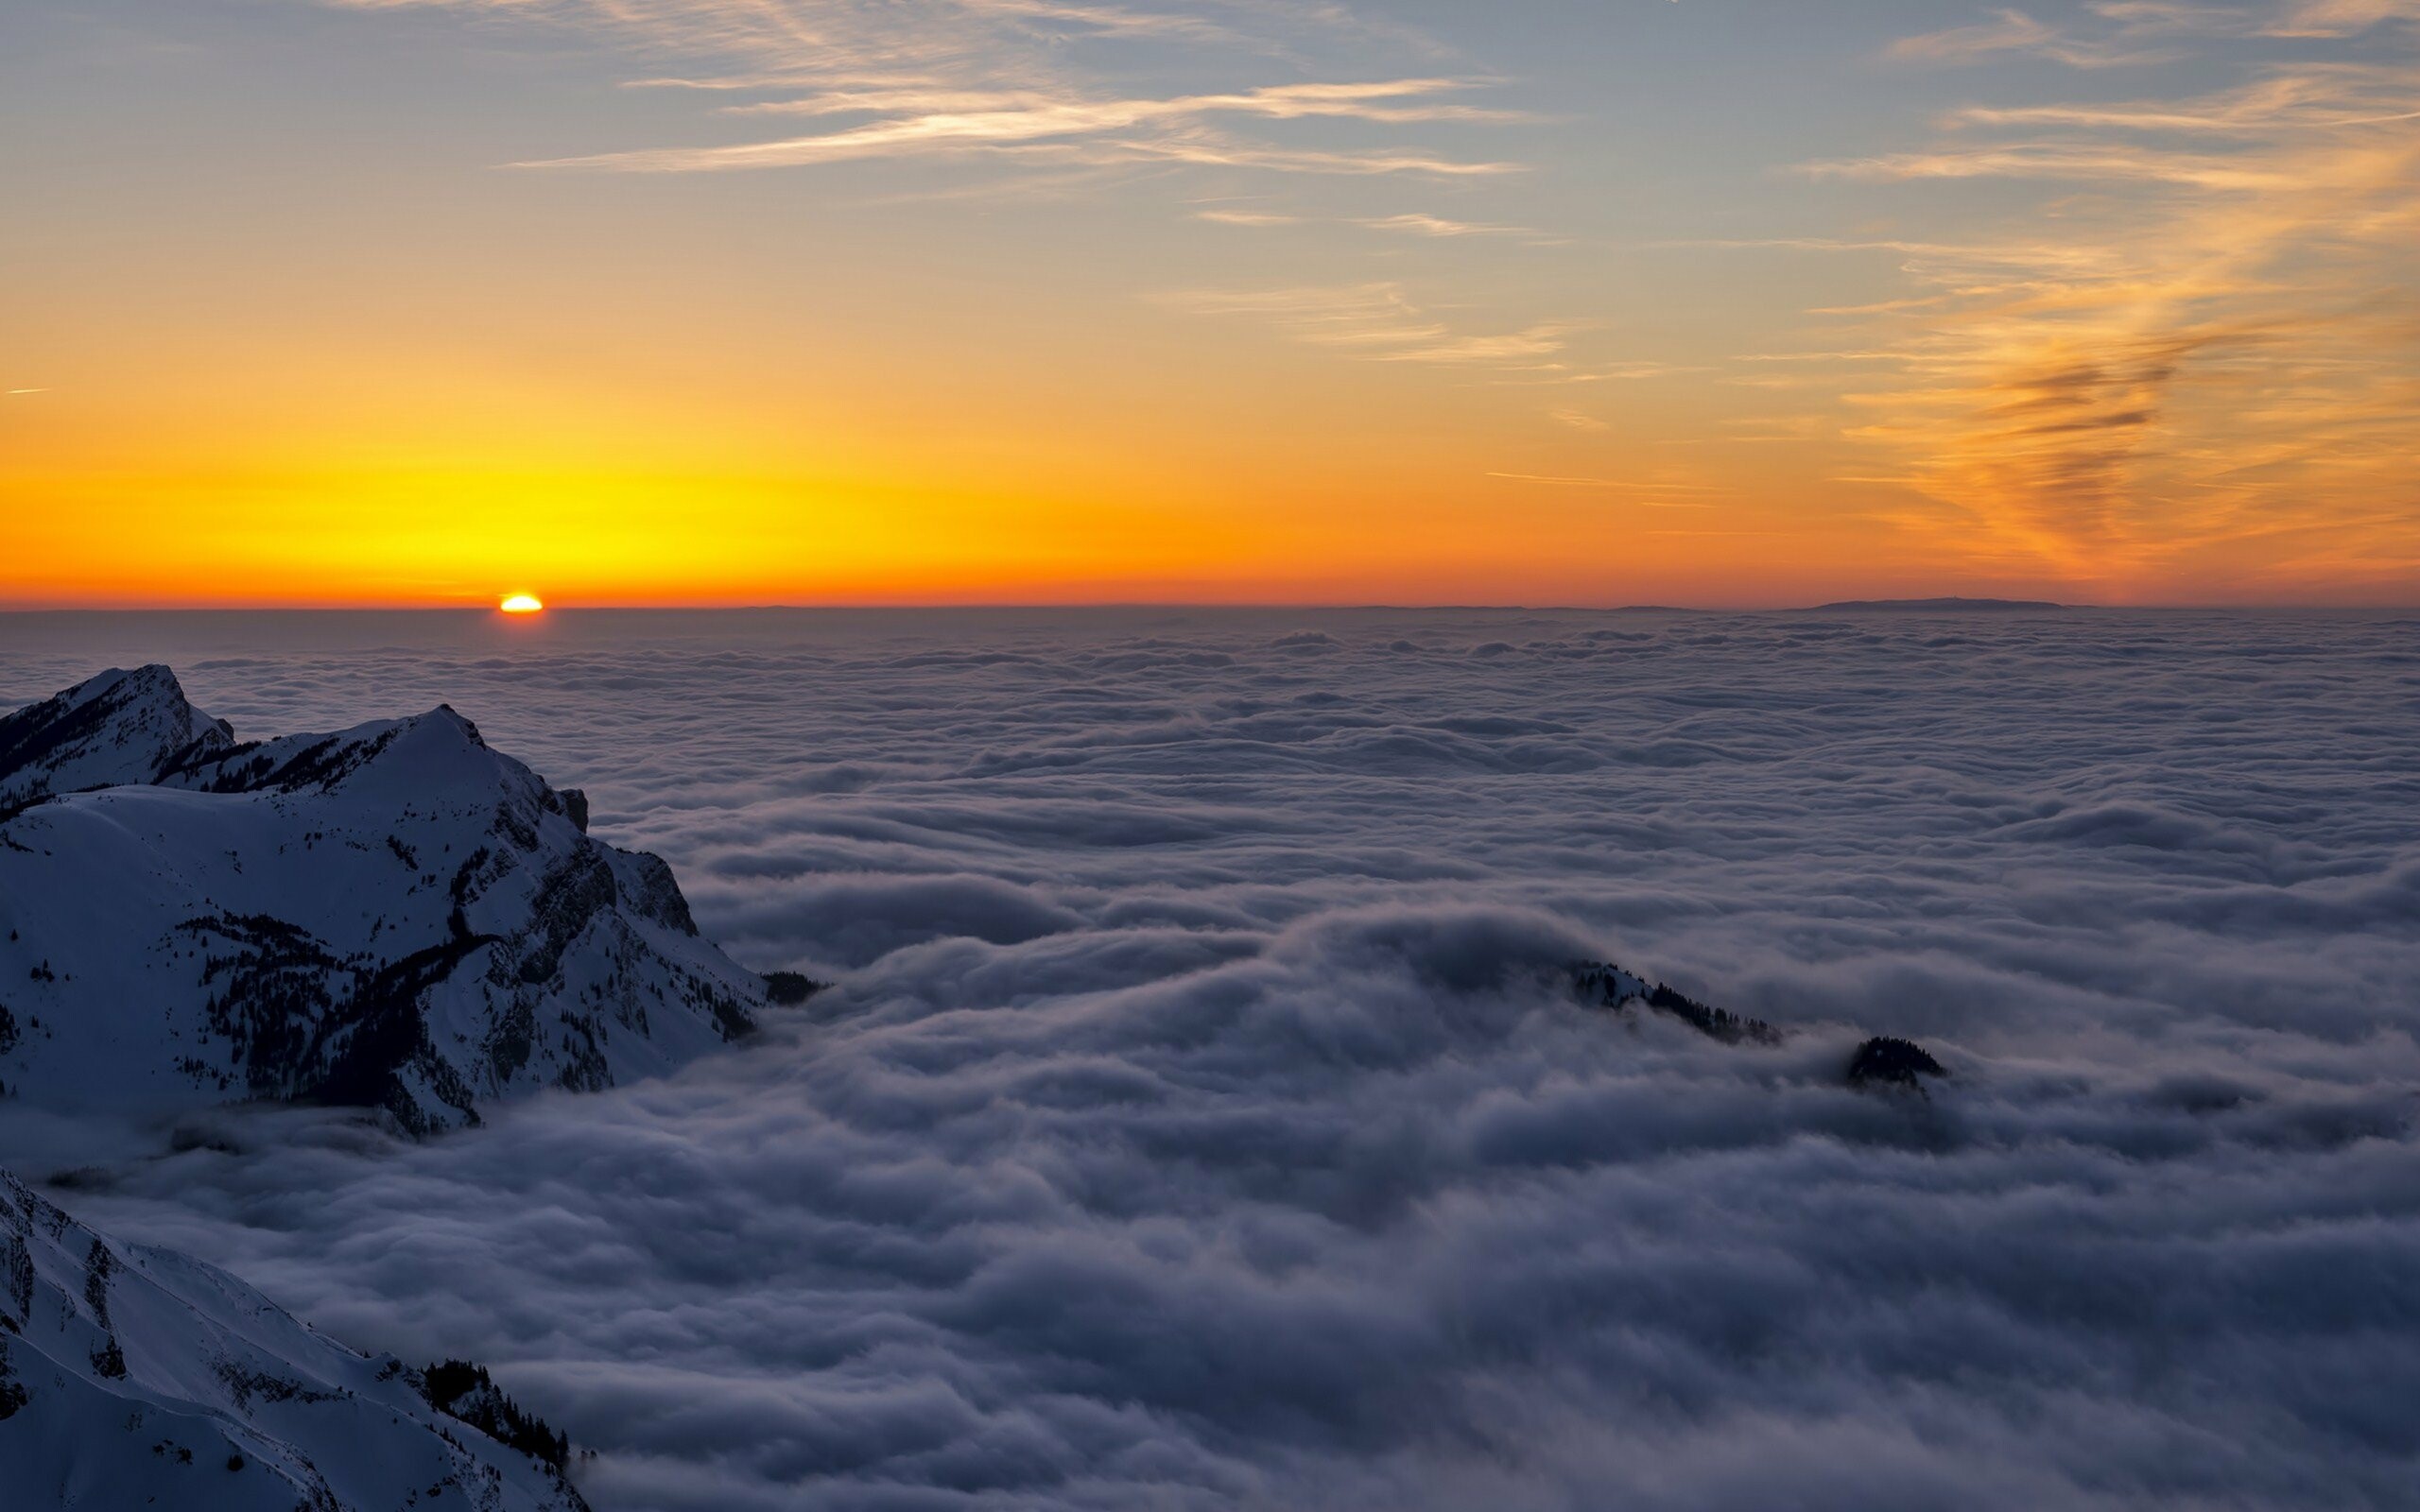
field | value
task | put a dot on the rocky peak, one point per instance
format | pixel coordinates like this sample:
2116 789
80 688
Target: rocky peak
394 915
132 1376
418 757
111 729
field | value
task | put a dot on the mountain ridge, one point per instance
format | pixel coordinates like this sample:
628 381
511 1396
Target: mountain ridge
425 923
1936 606
134 1376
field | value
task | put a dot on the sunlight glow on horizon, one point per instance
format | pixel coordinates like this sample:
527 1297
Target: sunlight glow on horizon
975 304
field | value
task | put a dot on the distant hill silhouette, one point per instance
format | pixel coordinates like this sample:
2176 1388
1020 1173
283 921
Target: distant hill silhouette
1935 606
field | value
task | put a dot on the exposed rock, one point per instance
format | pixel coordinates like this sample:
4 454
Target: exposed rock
119 727
134 1377
1611 988
1884 1061
392 917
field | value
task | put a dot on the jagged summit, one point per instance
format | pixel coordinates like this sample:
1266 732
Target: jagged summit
132 1377
117 728
394 915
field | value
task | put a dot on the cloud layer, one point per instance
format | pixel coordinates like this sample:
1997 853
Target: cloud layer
1196 1124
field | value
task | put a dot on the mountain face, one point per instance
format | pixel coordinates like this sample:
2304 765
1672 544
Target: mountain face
115 728
394 917
134 1377
1883 1063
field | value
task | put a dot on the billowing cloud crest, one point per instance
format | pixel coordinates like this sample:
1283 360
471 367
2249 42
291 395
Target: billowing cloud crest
1198 1125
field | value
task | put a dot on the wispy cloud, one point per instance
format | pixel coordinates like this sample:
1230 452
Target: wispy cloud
2259 18
1436 226
1246 217
1651 493
1379 322
2122 33
2080 163
2013 31
2309 99
911 123
2214 335
1015 82
1413 223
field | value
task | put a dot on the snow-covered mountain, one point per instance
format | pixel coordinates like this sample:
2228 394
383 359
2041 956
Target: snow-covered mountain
118 727
134 1377
394 915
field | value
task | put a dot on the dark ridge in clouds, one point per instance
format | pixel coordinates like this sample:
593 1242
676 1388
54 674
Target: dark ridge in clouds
1197 1123
1938 605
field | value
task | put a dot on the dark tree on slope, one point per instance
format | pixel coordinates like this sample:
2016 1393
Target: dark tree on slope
462 1390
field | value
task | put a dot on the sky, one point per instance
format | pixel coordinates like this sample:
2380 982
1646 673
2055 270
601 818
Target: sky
1739 302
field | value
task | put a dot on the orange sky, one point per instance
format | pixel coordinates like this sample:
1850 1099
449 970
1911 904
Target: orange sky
424 304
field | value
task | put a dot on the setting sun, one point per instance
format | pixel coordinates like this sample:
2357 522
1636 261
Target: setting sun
521 604
1128 306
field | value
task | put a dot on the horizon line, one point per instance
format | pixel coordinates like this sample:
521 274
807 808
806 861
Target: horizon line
1228 606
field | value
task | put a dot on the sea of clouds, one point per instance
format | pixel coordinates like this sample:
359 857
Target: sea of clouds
1198 1122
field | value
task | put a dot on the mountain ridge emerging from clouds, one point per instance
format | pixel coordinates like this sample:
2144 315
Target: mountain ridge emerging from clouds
1936 606
394 915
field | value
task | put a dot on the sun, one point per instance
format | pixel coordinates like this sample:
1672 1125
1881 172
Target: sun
521 604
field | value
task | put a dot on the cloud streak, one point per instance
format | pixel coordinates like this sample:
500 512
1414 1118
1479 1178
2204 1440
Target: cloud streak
913 123
1383 323
2206 368
1015 81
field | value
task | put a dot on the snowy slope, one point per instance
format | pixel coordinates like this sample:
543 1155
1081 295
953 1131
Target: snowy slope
134 1377
120 727
394 915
